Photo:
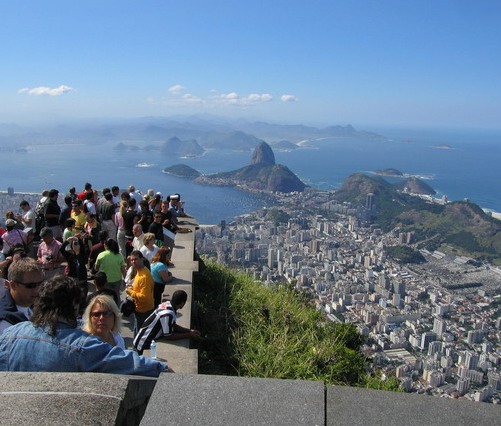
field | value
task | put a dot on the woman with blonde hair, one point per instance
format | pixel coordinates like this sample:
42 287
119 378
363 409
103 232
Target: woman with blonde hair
102 319
149 248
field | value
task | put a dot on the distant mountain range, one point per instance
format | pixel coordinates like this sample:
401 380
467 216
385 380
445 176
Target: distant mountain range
154 133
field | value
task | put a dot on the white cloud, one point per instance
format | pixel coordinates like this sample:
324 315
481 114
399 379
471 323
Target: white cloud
192 99
176 89
264 97
48 91
215 98
230 96
252 99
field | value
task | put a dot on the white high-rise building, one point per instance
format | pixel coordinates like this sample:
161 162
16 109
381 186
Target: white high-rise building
439 326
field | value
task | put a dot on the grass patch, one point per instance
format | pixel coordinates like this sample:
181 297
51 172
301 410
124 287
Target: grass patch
252 330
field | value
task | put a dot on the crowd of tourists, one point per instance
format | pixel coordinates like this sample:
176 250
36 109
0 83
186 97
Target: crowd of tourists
121 242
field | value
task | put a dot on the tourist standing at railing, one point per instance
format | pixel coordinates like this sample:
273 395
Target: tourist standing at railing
27 218
157 229
130 217
112 263
149 248
160 273
96 250
136 196
141 290
138 241
145 215
51 213
15 236
78 215
75 250
173 208
83 194
120 224
89 205
115 191
156 202
107 213
72 193
92 228
65 213
49 252
99 203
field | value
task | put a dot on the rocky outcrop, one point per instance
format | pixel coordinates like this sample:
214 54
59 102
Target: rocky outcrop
416 186
263 174
263 154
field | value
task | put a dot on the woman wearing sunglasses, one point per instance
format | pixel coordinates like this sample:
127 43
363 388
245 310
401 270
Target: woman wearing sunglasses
102 319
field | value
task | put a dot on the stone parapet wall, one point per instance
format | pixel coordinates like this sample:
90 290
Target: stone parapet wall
54 399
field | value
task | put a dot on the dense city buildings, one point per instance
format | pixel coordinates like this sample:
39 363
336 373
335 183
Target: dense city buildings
435 325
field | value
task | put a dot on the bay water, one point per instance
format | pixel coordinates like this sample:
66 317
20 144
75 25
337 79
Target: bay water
457 163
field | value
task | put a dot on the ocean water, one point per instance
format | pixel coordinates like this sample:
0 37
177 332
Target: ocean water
469 169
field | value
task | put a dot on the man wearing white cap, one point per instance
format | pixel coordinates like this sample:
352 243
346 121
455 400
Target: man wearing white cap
14 237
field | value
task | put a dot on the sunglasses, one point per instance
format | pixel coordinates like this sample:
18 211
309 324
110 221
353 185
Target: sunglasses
105 314
30 285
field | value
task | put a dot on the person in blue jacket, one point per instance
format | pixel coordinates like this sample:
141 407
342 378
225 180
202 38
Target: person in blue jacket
51 341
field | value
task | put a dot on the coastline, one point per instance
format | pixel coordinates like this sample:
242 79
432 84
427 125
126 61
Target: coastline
10 201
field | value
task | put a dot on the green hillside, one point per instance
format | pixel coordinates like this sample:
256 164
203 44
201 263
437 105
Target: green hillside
459 227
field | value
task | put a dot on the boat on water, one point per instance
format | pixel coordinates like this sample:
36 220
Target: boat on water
144 165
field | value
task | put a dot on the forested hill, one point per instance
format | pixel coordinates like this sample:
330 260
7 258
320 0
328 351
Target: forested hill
460 226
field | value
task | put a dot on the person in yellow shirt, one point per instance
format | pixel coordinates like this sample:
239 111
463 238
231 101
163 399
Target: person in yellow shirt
78 215
141 290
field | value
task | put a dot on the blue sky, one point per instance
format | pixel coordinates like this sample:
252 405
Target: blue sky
396 62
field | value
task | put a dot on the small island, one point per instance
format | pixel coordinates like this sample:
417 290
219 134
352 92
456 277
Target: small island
389 172
182 170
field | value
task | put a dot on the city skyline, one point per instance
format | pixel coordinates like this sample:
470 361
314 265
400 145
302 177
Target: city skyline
317 63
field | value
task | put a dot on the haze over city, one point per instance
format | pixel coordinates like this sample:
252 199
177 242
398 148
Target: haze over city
365 63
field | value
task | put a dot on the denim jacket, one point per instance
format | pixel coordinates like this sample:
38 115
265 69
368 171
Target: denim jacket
24 347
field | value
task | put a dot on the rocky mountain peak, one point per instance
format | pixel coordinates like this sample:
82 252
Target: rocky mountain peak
263 154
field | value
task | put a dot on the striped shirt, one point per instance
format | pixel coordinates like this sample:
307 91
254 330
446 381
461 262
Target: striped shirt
160 323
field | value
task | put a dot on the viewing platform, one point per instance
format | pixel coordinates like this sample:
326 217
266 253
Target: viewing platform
188 398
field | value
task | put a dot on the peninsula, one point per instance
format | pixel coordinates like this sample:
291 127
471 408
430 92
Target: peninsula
263 174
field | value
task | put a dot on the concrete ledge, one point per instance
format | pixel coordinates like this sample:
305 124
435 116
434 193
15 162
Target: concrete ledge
178 356
181 276
217 400
73 398
355 406
192 265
